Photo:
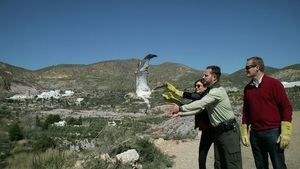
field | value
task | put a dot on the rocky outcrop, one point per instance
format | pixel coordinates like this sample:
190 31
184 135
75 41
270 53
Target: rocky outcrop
175 128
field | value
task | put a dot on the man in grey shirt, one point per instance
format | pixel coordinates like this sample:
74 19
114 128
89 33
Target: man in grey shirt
226 131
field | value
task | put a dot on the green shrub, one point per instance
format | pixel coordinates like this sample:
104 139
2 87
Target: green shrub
151 156
15 132
73 121
95 164
50 120
43 143
294 96
115 140
4 112
38 122
5 148
51 159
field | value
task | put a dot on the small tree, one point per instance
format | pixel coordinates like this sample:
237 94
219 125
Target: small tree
15 132
38 122
43 143
50 120
79 121
73 121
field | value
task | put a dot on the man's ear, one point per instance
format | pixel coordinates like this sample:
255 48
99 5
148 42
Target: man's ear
215 77
257 68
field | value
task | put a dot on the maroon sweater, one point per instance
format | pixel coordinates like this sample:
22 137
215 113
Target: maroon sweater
266 106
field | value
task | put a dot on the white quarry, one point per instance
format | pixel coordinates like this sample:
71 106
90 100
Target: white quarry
290 84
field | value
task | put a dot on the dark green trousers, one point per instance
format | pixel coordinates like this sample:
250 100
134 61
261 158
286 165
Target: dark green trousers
227 148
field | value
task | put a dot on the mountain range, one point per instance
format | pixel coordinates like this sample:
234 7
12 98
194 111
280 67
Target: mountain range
120 75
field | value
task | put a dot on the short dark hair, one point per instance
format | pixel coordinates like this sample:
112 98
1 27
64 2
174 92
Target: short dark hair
215 70
258 61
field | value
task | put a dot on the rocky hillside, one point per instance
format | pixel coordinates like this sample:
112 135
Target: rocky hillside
119 75
106 75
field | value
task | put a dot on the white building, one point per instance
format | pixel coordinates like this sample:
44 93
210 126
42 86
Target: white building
290 84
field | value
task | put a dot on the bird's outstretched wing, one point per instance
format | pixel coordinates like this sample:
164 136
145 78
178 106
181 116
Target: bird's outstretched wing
142 89
144 64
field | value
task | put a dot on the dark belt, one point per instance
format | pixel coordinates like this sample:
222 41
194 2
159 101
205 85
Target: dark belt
227 125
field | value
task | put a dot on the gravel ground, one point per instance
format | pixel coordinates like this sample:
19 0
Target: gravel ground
186 152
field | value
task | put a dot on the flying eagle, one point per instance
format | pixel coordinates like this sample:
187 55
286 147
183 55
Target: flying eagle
142 89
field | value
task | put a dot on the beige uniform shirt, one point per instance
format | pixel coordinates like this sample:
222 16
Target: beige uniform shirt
217 104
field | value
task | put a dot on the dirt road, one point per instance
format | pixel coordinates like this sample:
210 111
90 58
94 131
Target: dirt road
186 152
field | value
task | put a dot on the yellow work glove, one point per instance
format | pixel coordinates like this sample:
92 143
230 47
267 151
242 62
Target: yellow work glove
166 97
245 135
170 98
173 89
285 136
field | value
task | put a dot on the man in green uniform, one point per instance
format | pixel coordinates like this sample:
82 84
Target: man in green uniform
226 130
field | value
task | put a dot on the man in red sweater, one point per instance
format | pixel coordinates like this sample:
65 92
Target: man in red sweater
268 112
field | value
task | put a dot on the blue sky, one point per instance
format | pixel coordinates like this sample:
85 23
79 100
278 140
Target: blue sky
40 33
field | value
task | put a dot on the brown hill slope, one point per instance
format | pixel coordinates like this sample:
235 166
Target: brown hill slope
119 75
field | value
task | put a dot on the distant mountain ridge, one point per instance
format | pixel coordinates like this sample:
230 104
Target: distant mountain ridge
119 75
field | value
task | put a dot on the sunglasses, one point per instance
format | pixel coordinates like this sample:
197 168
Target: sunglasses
249 67
197 86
